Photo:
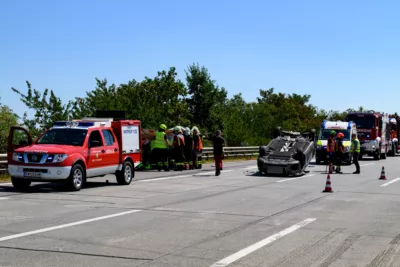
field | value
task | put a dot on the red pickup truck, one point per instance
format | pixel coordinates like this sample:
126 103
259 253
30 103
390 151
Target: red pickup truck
74 151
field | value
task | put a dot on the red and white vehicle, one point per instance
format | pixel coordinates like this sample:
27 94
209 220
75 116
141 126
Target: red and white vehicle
373 131
74 151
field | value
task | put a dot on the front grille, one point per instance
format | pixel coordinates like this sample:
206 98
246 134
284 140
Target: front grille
34 158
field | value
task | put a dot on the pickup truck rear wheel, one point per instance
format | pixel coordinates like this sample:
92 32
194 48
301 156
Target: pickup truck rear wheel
20 184
77 178
125 176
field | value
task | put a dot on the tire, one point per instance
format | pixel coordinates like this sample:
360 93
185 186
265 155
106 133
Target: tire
77 178
20 184
125 176
377 154
262 152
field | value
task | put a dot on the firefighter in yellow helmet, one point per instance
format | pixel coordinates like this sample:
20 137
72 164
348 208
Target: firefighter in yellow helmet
160 147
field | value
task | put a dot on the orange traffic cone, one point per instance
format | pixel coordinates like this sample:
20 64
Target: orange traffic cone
328 188
383 176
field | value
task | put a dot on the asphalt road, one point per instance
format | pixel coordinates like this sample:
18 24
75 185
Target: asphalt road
197 219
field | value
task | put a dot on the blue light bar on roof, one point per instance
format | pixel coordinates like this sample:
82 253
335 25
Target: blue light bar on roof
323 124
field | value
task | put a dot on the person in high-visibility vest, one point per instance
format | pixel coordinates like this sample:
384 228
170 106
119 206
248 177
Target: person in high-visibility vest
330 150
160 146
339 152
355 149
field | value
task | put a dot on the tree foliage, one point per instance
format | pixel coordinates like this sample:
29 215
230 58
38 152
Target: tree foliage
165 99
7 119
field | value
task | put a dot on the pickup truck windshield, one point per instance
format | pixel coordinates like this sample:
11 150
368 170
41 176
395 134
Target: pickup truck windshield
64 136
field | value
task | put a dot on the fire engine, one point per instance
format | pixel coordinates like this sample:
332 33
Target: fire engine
373 132
74 151
394 135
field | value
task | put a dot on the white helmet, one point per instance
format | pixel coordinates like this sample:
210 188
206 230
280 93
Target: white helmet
187 131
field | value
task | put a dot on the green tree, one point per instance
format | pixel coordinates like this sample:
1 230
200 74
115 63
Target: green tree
204 94
7 119
46 108
236 115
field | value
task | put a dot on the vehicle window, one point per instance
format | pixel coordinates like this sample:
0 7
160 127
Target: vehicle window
95 136
64 136
327 132
108 137
20 137
367 122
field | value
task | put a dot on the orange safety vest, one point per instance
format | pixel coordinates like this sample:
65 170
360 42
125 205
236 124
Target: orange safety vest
199 144
331 145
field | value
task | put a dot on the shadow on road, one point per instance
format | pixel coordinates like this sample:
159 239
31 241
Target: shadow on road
55 187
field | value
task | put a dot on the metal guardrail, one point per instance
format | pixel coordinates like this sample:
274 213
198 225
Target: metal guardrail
3 163
244 151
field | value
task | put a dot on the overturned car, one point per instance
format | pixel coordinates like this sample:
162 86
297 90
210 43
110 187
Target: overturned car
288 154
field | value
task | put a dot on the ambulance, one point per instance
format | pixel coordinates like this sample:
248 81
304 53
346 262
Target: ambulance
347 128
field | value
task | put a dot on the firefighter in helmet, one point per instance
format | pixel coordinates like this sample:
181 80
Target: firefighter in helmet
179 148
339 152
160 146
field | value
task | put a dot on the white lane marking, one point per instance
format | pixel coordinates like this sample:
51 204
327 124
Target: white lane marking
391 182
5 184
4 198
250 249
164 178
367 164
5 238
290 179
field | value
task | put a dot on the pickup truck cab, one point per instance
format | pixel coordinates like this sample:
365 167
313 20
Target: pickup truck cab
74 151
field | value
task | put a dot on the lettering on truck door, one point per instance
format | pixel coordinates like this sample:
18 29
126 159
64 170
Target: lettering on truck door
95 160
111 151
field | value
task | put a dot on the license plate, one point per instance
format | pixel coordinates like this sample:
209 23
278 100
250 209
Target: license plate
32 174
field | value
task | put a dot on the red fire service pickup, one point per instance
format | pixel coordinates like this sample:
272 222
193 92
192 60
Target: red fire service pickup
75 150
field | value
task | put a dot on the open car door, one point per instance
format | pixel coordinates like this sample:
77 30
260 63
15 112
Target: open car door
18 137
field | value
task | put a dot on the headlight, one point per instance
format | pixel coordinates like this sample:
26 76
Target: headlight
17 157
57 158
346 149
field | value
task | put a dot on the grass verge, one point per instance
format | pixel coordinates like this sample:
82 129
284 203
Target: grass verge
231 159
5 178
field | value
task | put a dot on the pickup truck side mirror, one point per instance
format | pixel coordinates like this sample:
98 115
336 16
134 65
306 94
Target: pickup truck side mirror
94 143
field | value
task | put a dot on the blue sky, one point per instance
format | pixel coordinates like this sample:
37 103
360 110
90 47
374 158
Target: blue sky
345 49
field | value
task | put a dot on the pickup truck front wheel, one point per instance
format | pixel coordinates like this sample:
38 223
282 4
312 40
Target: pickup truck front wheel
76 179
125 176
20 184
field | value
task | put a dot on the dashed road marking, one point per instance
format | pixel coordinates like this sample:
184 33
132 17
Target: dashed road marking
5 238
250 249
391 182
4 198
290 179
